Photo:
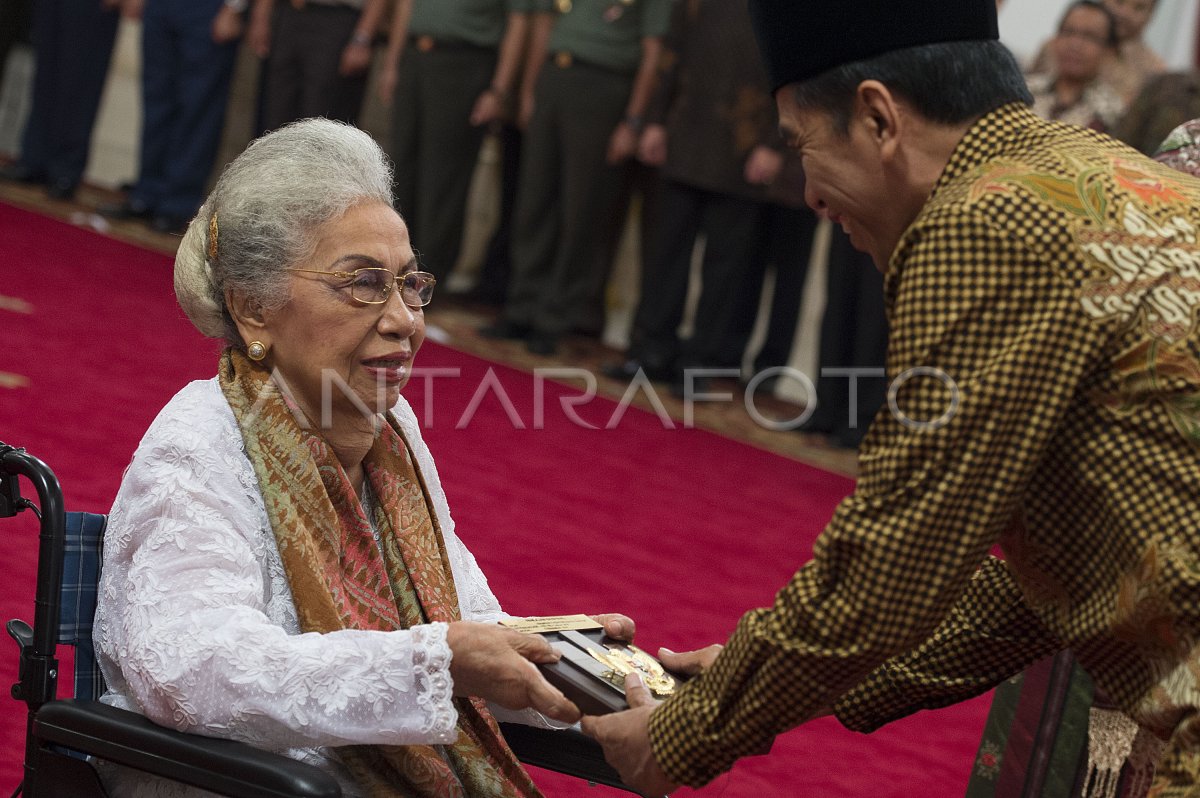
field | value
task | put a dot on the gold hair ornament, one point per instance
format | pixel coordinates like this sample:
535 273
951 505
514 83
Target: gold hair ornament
212 237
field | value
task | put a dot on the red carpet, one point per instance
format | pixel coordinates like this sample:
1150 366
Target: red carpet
681 529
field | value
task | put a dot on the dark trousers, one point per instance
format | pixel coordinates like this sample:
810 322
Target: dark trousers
185 91
640 191
497 263
566 197
435 146
853 335
73 43
302 78
783 245
730 225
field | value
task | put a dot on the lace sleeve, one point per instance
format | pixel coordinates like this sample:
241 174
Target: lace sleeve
476 600
185 627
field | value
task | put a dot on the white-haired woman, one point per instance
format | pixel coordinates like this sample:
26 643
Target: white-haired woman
281 566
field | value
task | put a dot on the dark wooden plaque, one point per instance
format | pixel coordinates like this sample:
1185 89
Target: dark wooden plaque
597 686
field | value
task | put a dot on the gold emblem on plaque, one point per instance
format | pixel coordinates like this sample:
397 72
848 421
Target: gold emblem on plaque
564 6
563 59
622 663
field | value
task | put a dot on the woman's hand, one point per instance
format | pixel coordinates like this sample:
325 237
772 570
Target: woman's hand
497 664
617 626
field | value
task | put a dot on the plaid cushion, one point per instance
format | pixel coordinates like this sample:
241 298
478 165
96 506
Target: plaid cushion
81 578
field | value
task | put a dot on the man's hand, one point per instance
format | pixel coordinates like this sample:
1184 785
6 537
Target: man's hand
488 108
652 147
259 31
625 737
689 663
132 9
762 166
617 626
356 58
389 76
497 664
227 25
622 144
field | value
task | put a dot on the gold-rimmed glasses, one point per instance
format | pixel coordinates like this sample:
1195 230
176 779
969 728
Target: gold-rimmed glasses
373 285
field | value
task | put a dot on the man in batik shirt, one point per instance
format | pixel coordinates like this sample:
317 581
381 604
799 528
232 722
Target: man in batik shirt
1042 284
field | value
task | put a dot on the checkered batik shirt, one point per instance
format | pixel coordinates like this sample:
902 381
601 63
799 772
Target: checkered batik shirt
1045 369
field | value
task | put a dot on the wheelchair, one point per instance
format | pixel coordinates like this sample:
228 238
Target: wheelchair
64 735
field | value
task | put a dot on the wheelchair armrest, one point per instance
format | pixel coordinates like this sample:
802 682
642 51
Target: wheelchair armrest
223 766
566 751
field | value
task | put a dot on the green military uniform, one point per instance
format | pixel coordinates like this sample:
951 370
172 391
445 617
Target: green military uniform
1046 361
449 60
567 191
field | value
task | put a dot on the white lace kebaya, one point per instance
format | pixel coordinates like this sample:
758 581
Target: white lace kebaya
197 630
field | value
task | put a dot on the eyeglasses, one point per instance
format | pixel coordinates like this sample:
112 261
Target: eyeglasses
373 286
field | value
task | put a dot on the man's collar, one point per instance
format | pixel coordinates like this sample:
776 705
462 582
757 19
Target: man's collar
990 137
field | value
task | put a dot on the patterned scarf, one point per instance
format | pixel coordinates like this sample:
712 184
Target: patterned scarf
341 580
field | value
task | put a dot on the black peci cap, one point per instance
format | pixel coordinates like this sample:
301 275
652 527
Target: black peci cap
800 39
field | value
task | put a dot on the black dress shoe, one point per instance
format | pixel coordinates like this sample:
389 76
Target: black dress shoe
540 343
628 369
506 330
166 223
60 189
18 172
126 209
683 388
625 370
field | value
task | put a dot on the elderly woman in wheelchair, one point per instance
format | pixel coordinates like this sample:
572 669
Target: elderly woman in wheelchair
280 565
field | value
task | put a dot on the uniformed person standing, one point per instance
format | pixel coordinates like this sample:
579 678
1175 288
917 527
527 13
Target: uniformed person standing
72 43
451 69
594 77
318 53
714 131
189 48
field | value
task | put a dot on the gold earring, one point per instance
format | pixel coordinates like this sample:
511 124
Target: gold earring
256 351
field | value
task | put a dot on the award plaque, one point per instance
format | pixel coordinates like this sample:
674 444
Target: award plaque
593 666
